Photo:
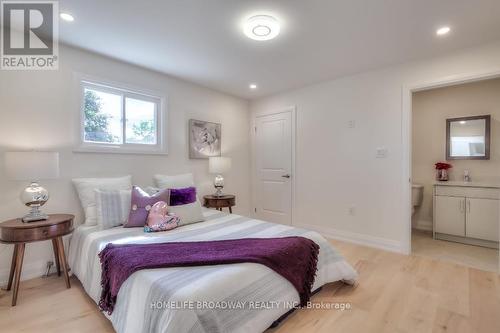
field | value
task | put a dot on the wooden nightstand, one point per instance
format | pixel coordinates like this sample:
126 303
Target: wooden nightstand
18 233
213 201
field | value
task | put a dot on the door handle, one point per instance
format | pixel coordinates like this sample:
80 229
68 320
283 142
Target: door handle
468 206
286 176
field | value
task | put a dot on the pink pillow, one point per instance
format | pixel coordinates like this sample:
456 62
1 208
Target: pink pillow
141 205
159 219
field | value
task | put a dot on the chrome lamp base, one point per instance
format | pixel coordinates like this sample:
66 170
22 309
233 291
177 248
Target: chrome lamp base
218 192
34 196
35 215
219 185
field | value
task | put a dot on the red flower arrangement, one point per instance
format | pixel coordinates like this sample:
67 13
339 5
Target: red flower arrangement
442 170
443 166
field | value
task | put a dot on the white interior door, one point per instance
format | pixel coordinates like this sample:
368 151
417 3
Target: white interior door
273 157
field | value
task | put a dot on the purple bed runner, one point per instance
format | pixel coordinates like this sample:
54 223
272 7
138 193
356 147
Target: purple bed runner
294 258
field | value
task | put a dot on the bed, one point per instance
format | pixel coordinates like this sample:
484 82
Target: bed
243 297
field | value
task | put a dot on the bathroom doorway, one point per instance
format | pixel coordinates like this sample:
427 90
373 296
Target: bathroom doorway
457 219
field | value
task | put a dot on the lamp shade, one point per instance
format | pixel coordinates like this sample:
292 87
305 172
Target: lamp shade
32 166
219 165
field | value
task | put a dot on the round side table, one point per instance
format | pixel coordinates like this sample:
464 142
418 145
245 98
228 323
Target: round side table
19 233
213 201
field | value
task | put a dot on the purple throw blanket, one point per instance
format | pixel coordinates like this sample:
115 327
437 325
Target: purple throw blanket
294 258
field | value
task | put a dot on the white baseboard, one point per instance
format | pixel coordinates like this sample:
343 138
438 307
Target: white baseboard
29 271
356 238
423 225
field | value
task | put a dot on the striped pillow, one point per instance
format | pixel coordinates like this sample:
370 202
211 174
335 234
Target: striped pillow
112 207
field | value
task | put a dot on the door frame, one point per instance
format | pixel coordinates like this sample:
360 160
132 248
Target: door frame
293 112
406 119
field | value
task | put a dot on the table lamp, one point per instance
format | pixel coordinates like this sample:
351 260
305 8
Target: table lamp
219 166
33 166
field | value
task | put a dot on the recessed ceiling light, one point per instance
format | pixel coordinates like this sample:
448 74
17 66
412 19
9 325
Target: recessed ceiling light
252 86
67 17
443 31
261 27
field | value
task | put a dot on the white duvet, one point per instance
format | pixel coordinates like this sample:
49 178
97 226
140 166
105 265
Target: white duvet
243 297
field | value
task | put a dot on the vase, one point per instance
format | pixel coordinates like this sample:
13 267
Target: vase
442 175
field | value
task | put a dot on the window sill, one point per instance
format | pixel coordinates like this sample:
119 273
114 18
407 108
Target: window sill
119 150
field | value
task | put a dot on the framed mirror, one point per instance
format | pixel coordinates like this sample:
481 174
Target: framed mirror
468 138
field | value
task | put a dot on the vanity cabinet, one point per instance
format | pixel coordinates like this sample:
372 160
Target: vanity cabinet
482 219
450 218
467 213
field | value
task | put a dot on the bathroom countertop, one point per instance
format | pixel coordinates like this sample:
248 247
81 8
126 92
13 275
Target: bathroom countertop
468 184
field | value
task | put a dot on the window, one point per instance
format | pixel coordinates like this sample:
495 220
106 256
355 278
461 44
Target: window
119 120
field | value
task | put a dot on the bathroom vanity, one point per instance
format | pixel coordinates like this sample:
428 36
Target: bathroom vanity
467 212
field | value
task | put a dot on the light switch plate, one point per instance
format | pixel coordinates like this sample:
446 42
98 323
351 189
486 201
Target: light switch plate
381 152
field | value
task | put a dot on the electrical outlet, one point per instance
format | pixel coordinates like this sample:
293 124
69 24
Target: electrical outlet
48 267
351 123
352 210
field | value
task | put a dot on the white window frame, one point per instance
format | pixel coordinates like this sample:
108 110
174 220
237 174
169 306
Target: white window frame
160 148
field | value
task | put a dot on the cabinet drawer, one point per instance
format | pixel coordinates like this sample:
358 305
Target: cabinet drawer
469 192
219 203
27 235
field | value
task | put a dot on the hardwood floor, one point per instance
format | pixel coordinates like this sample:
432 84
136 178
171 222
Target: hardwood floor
468 255
395 293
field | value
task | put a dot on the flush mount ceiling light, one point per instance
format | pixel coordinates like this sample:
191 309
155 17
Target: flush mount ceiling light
67 17
261 27
253 86
443 31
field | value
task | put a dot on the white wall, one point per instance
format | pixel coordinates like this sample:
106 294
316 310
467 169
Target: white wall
38 110
337 166
431 108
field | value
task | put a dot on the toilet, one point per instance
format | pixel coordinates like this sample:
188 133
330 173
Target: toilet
417 194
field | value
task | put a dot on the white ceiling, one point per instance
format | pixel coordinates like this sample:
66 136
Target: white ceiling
202 40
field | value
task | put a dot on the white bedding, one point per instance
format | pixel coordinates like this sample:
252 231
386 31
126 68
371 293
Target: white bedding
157 300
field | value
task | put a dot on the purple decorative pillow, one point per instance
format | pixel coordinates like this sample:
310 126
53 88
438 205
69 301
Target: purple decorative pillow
182 196
141 205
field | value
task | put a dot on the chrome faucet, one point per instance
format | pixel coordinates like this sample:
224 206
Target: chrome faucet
466 176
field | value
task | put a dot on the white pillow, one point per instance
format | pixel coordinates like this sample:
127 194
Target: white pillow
86 186
177 181
151 190
112 207
189 213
